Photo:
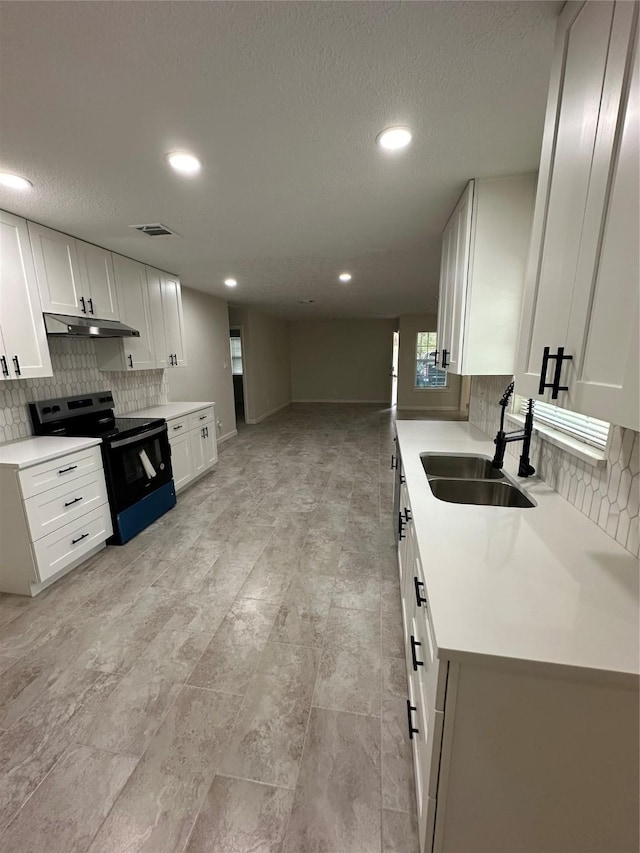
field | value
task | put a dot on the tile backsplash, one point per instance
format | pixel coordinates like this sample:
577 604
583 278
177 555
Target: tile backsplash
75 371
608 495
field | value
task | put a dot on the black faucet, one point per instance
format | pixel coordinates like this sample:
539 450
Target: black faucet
503 438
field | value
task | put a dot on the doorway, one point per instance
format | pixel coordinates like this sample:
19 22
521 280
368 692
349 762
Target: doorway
394 368
237 372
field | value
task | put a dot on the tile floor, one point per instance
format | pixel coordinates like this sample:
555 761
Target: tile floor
233 678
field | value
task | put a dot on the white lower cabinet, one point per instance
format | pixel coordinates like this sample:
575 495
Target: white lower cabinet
509 754
54 515
193 445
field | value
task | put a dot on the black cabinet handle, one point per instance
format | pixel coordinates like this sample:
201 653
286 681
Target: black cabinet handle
407 514
394 462
3 362
435 358
16 365
74 501
420 599
403 479
559 358
412 731
130 357
445 358
400 526
179 426
83 304
414 659
90 301
79 539
207 432
171 358
70 468
202 417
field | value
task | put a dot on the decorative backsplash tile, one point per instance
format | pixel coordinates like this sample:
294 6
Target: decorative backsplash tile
608 495
75 371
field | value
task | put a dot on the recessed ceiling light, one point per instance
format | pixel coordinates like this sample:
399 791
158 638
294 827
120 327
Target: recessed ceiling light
183 162
345 276
394 138
15 182
230 282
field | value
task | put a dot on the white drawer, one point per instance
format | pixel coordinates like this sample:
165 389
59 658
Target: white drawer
201 418
178 426
64 503
67 544
49 474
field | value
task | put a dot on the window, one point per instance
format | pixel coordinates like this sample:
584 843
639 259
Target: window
427 374
236 356
580 427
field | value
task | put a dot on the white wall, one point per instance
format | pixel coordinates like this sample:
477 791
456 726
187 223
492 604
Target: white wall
410 397
266 362
207 375
341 360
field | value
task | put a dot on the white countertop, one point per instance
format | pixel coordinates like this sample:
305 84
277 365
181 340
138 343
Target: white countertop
543 584
168 410
26 452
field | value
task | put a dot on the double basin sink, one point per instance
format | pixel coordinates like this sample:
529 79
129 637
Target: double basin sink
466 479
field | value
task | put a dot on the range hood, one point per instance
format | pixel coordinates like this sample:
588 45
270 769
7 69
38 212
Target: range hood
87 327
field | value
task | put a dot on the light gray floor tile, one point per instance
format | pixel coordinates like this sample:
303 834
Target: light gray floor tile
397 760
337 803
241 817
302 616
268 582
391 613
191 567
399 832
67 809
156 810
230 659
357 583
349 672
267 743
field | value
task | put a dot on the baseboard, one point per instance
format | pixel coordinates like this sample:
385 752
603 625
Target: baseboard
429 409
268 414
226 436
363 402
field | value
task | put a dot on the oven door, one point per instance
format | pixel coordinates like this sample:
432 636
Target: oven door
137 466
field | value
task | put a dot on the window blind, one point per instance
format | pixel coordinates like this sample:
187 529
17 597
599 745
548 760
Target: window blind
581 427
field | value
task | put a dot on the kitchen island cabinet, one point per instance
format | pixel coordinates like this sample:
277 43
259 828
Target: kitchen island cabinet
521 632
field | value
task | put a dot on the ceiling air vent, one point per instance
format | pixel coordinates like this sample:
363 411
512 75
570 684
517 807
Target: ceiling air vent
157 229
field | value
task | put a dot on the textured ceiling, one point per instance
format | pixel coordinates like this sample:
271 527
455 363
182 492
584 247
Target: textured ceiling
282 102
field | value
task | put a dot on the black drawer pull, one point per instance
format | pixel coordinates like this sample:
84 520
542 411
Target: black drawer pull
74 501
130 357
3 362
407 514
70 468
412 731
403 479
420 600
394 462
445 358
414 659
179 426
16 365
79 539
556 387
401 523
202 417
435 358
84 307
206 432
90 301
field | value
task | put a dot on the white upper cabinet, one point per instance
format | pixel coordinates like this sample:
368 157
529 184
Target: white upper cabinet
484 254
55 257
165 297
133 300
173 321
24 353
98 281
579 334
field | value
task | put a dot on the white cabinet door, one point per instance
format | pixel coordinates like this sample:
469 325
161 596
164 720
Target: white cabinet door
458 276
173 321
587 83
133 299
603 328
98 281
181 460
444 295
25 352
58 271
160 347
197 451
209 446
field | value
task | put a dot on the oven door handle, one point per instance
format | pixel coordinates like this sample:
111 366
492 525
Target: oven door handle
138 439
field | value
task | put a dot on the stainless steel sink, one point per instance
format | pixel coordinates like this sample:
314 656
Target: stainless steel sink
455 466
482 492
